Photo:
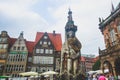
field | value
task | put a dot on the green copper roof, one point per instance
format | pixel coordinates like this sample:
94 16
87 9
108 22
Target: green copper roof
15 52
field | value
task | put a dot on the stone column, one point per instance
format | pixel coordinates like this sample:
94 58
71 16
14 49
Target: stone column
69 65
75 66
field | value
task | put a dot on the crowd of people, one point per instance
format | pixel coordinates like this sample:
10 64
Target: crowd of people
102 77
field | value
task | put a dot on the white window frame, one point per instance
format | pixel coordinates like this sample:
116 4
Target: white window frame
46 51
49 43
112 36
41 50
37 50
5 46
40 42
45 42
45 37
51 51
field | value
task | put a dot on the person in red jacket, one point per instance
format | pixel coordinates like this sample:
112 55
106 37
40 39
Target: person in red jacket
102 77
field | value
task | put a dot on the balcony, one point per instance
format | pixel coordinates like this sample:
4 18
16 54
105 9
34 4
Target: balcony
109 50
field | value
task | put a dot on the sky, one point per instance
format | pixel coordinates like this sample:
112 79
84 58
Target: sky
32 16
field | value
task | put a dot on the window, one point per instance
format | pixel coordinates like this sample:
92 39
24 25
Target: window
14 48
112 36
37 50
43 60
51 51
23 48
46 51
29 59
4 39
45 37
18 48
5 46
49 43
45 42
41 50
40 42
3 56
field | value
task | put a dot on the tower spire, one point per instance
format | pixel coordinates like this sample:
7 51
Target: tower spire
69 15
112 7
70 28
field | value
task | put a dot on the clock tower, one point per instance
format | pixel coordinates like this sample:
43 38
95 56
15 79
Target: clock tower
70 54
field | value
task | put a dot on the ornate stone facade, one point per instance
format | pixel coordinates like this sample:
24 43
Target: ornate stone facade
70 55
110 28
17 58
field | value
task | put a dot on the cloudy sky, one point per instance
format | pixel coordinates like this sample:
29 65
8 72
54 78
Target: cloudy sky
33 16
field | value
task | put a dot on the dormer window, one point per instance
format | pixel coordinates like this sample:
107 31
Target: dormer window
45 37
45 42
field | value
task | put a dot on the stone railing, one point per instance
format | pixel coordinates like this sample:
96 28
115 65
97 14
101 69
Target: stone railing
109 50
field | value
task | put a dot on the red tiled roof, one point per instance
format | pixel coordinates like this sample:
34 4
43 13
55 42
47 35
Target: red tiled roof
55 38
12 41
82 59
30 46
96 58
38 37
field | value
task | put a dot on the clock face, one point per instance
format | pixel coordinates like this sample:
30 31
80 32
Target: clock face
70 33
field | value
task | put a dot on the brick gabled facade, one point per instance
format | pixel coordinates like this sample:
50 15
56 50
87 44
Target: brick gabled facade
110 57
47 51
8 65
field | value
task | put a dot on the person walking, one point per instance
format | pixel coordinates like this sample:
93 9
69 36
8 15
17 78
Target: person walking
102 77
94 77
111 77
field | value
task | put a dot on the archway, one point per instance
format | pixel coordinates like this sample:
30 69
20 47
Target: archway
107 67
117 66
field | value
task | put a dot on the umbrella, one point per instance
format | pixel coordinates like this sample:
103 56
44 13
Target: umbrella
91 72
98 71
28 73
49 73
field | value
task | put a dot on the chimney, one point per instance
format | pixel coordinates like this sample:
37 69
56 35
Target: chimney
54 33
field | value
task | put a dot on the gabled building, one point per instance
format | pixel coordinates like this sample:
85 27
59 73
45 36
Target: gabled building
82 64
47 52
17 57
110 28
30 48
87 62
4 48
